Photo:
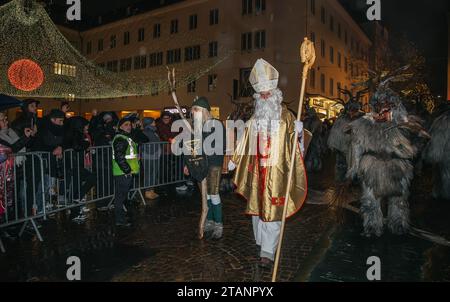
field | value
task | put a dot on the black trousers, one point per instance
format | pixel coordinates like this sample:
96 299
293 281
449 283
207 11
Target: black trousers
87 181
123 186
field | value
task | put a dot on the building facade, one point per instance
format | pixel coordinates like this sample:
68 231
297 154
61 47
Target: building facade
237 31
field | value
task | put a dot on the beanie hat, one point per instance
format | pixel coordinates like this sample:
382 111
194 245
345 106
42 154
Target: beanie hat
56 113
123 120
147 121
202 102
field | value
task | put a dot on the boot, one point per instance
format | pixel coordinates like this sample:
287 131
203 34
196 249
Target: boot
218 231
209 228
150 194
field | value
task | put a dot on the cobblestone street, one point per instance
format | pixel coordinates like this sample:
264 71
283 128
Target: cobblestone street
163 245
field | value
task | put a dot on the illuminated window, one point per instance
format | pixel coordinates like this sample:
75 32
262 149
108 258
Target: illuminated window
64 69
70 114
215 112
152 113
40 113
71 97
124 113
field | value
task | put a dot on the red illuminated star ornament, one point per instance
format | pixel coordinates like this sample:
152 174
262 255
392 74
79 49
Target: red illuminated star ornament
25 75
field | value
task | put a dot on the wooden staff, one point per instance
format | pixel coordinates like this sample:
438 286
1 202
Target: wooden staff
204 213
308 56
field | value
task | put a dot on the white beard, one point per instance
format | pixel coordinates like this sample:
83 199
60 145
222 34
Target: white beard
268 111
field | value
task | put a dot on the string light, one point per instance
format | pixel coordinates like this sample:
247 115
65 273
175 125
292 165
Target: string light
32 34
25 75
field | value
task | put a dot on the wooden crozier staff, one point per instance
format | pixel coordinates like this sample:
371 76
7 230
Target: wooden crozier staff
308 56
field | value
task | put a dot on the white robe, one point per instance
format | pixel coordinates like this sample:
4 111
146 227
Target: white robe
267 235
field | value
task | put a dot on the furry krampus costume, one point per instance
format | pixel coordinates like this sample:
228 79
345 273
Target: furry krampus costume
437 153
339 140
381 158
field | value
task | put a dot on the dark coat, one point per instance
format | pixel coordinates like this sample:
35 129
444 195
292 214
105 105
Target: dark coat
74 137
18 145
49 137
138 136
103 134
26 120
152 150
120 147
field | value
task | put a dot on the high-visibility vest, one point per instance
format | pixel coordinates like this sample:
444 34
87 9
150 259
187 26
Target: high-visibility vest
131 157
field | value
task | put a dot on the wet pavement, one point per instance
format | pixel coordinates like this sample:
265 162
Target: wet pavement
162 244
403 258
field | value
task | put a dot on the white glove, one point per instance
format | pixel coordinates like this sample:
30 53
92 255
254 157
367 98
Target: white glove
299 129
231 166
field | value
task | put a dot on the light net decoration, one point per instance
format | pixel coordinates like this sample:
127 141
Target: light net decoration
36 60
25 75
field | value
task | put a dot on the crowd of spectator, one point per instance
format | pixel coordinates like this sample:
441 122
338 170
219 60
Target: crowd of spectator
71 169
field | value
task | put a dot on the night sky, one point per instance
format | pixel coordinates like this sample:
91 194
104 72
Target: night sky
424 23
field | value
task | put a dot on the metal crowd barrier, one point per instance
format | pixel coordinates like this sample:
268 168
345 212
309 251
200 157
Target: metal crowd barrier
36 185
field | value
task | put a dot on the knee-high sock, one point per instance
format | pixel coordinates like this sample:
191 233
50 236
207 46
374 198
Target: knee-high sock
210 215
217 208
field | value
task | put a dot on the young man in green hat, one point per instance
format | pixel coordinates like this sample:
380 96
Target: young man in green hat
125 164
201 117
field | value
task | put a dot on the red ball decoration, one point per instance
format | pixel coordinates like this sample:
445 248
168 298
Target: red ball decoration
25 75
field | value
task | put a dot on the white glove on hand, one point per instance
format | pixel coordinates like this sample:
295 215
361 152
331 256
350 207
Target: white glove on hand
299 129
231 166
